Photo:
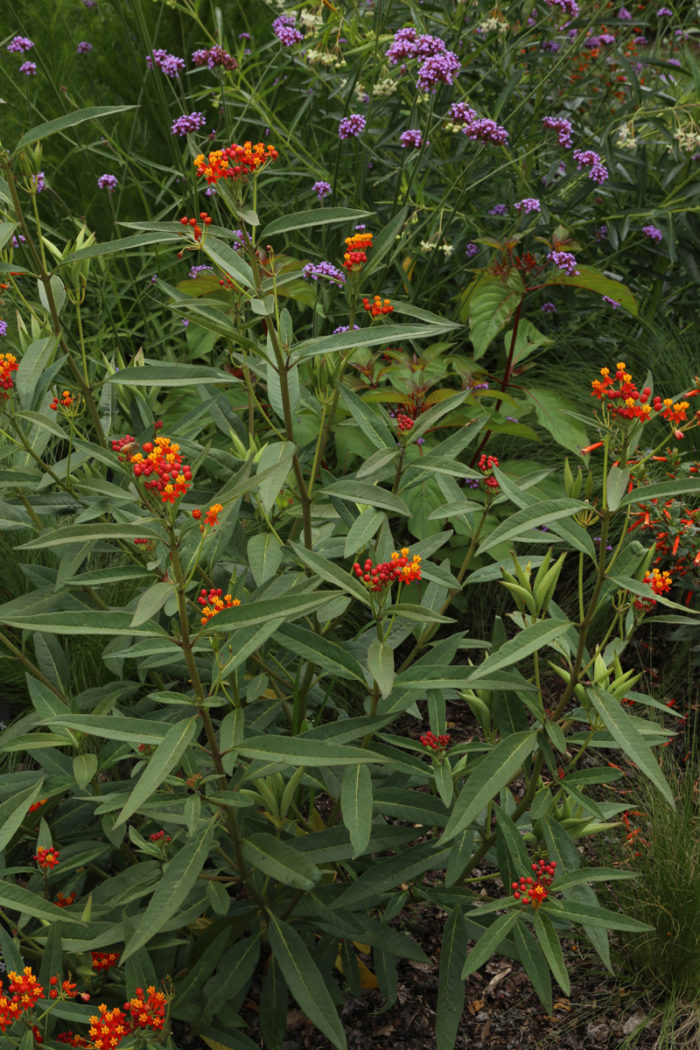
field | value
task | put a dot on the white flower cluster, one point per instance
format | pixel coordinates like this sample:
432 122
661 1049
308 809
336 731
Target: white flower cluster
688 139
625 137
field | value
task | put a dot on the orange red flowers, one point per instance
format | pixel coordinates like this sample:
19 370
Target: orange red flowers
8 365
214 601
147 1011
194 226
356 248
159 462
535 890
46 859
103 960
626 401
24 992
108 1030
234 162
66 400
381 576
378 306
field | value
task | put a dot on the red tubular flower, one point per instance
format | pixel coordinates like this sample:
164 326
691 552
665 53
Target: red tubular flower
535 890
234 162
108 1030
47 859
381 576
436 743
8 365
378 306
356 248
147 1011
159 463
213 601
211 518
104 960
37 805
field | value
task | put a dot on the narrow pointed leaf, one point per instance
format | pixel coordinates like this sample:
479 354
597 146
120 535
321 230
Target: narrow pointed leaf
356 805
549 943
489 942
280 861
622 730
535 964
528 641
451 989
162 761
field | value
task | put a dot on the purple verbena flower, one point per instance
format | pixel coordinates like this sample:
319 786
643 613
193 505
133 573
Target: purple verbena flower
108 182
346 328
188 123
527 205
653 233
412 138
28 68
471 250
404 46
3 327
17 239
588 158
601 233
562 126
196 270
351 126
315 271
624 15
169 64
611 302
20 44
606 38
285 30
564 261
486 130
322 189
440 68
84 47
664 12
548 308
461 113
213 57
569 6
38 182
498 209
551 46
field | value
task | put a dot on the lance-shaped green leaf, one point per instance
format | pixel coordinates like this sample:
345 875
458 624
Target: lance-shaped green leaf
356 806
364 492
302 220
233 973
529 518
489 942
91 621
69 120
248 615
330 572
300 751
164 758
535 964
595 281
15 808
363 529
377 335
663 490
275 462
321 651
280 860
629 739
84 768
387 873
151 602
371 422
114 727
593 915
178 879
264 556
305 981
451 988
91 533
17 899
493 773
228 260
549 943
170 375
135 242
528 641
380 662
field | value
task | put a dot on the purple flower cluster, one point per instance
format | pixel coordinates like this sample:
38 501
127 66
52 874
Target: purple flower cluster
286 31
315 271
653 233
664 12
169 64
564 261
601 233
213 57
527 205
187 123
108 182
84 47
471 250
196 270
548 308
437 69
611 302
17 239
412 138
562 126
438 65
38 182
3 327
346 328
588 158
486 130
322 189
20 44
461 113
624 15
351 126
498 209
570 7
28 68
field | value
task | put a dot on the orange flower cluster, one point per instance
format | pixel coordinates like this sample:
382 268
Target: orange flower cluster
535 891
103 960
8 365
68 989
211 518
47 859
37 805
71 1039
148 1012
160 462
356 248
108 1030
626 400
24 991
214 601
381 576
194 225
66 399
378 306
660 583
234 162
65 902
674 528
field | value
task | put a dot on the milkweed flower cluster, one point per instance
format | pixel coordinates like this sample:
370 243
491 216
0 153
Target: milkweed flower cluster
211 518
588 158
65 400
356 248
284 28
316 271
194 226
22 995
378 306
147 1010
660 583
46 859
563 128
438 65
213 57
188 123
67 987
379 577
564 261
108 182
159 462
104 960
404 423
486 465
653 233
8 365
628 402
527 205
435 743
413 138
20 44
234 162
534 891
215 601
169 64
351 126
322 189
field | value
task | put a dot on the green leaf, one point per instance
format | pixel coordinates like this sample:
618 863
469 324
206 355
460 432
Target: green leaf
491 305
69 120
617 486
118 247
332 657
264 556
151 602
554 413
233 974
662 490
275 462
114 727
451 988
593 915
84 768
629 739
527 340
535 964
301 220
17 899
380 662
549 943
270 609
328 571
304 980
178 879
489 942
362 530
90 621
386 873
228 260
530 640
364 492
166 756
170 375
300 751
529 518
356 805
377 335
280 860
90 533
15 808
370 421
595 281
493 773
35 361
